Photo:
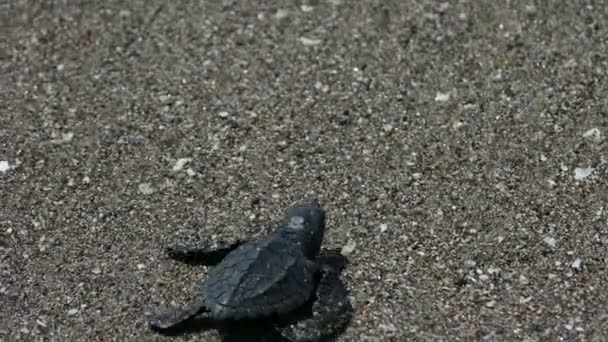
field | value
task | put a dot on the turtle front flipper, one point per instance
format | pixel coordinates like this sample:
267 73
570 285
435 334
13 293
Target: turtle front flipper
175 319
204 252
331 311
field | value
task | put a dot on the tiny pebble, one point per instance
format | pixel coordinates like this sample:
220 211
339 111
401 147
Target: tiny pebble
470 263
383 227
281 14
180 163
349 248
443 7
145 188
72 312
530 10
96 270
164 99
571 63
493 270
576 264
321 87
457 124
387 127
67 137
442 97
388 327
223 114
141 266
525 300
550 241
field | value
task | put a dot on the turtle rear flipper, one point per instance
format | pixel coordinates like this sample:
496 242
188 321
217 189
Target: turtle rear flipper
204 253
175 319
331 311
332 259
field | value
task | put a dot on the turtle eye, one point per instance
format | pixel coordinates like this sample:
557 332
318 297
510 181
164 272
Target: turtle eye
296 222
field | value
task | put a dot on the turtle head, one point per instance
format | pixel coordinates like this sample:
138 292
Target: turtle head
305 225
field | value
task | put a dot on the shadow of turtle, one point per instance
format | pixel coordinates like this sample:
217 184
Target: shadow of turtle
264 329
255 330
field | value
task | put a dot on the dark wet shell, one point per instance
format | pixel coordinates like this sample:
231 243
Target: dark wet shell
258 279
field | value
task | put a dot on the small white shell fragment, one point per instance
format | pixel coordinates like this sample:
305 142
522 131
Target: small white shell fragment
180 163
4 166
594 133
310 41
582 172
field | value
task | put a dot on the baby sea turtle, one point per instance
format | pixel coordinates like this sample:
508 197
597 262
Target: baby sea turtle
270 279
